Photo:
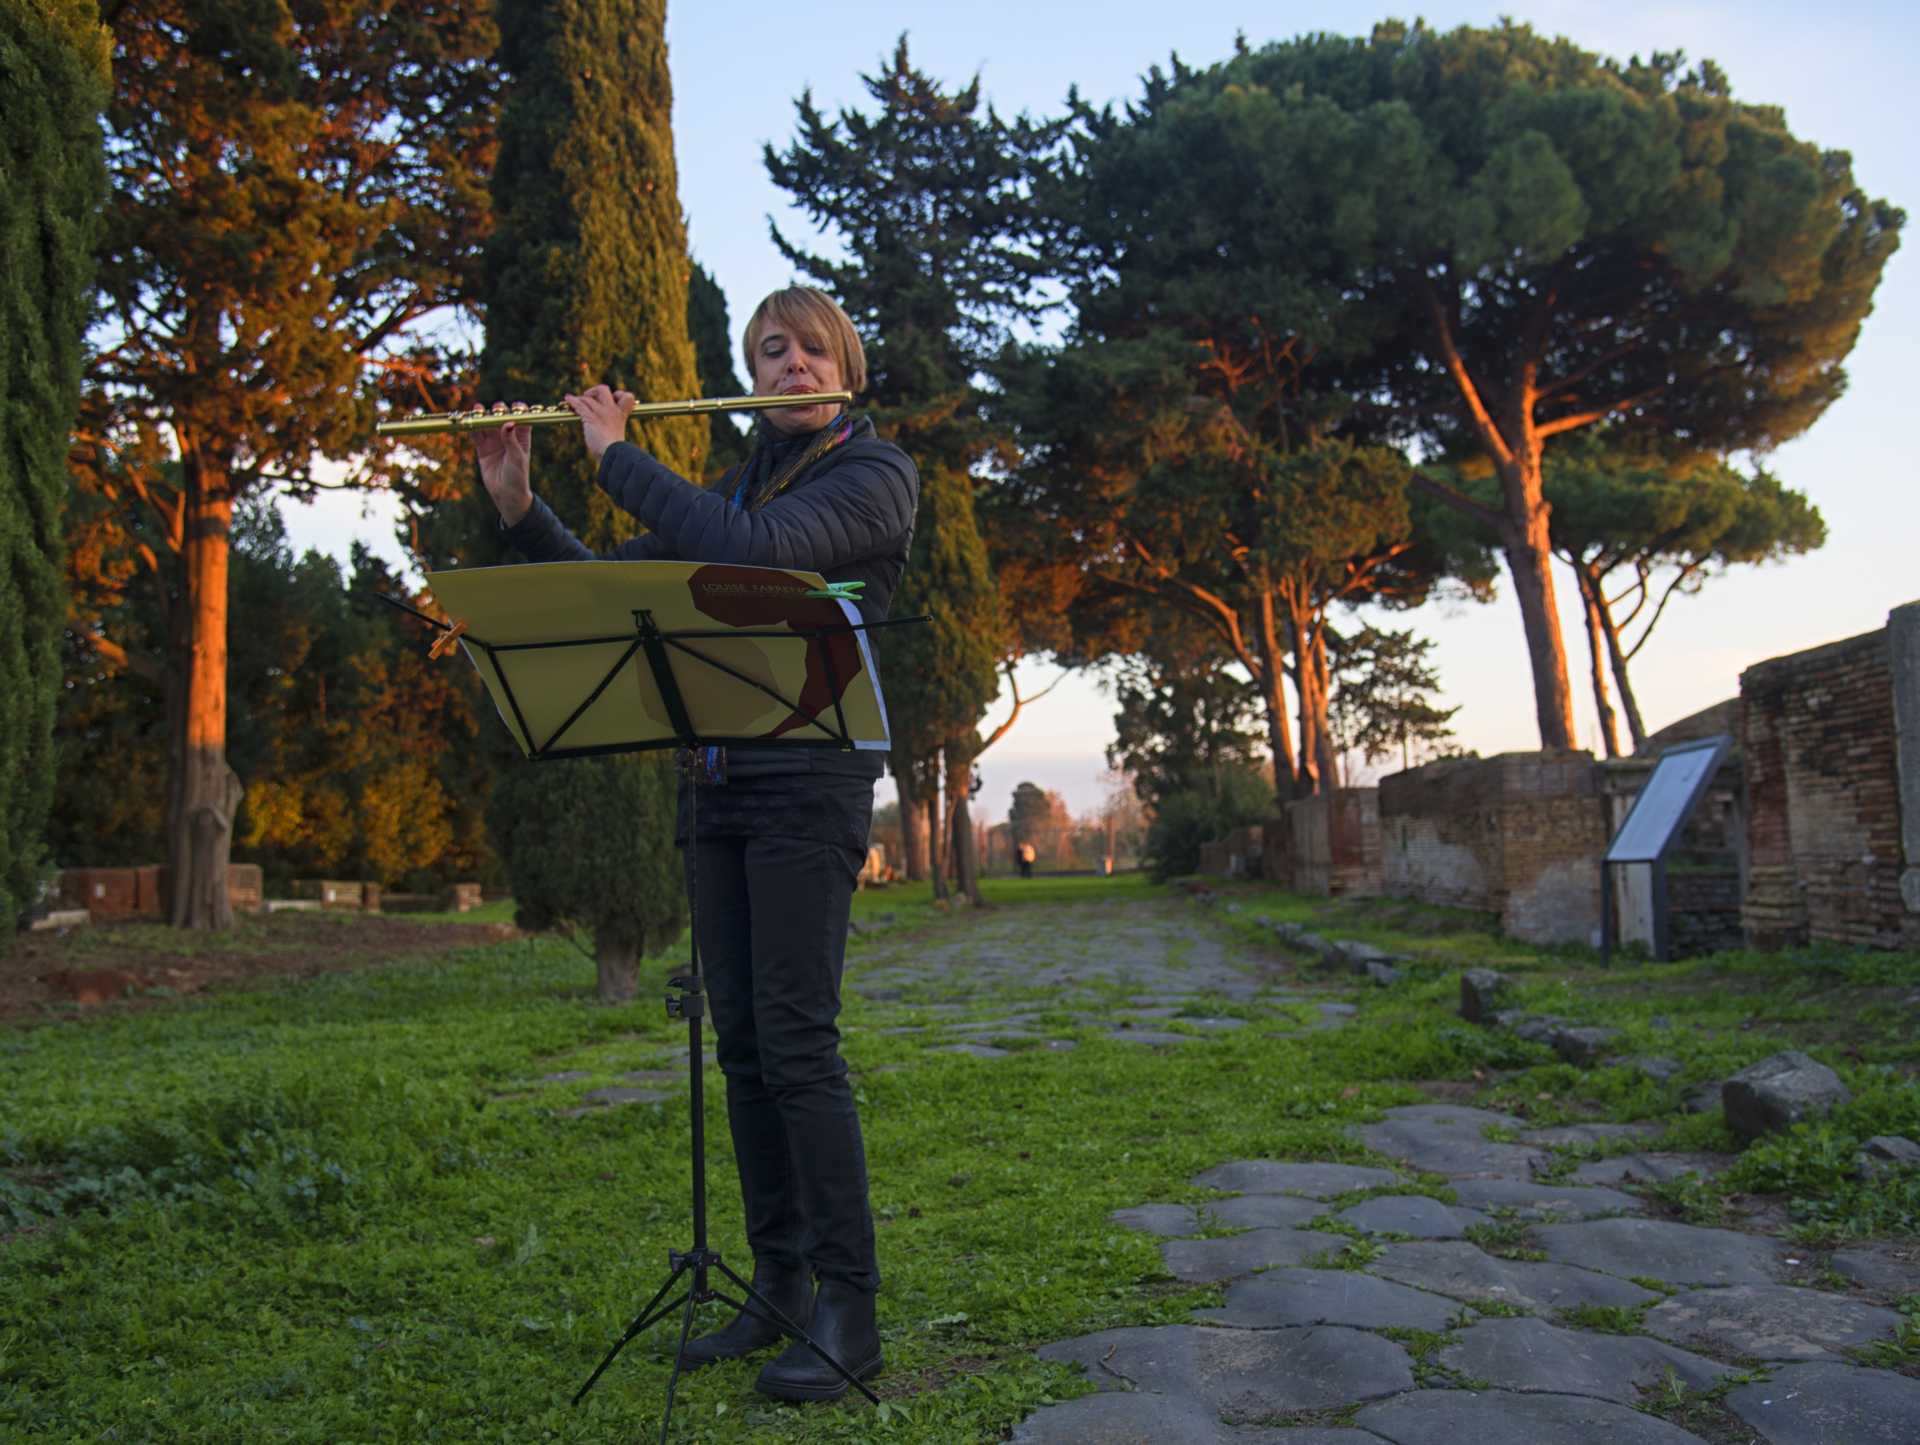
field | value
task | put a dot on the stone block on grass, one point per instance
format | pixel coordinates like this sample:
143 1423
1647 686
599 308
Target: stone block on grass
1483 993
1778 1092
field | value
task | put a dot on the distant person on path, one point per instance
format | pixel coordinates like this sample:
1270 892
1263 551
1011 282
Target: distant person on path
783 832
1027 855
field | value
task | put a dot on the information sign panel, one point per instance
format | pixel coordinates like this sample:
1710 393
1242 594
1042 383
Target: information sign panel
1669 796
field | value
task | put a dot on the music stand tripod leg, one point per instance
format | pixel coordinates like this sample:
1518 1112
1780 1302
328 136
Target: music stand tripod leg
691 1004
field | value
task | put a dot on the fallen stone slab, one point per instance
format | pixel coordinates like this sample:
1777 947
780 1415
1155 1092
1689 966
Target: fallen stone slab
972 1051
1483 993
1663 1249
1534 1356
1315 1181
611 1096
1242 1375
1532 1199
1156 1037
1823 1404
1263 1211
1779 1092
1769 1322
1448 1139
1383 974
1657 1067
1884 1152
1333 1015
1206 1261
1412 1214
1566 1134
1465 1272
1650 1168
1168 1220
1533 1028
1502 1417
1582 1047
1889 1270
1282 1297
1702 1098
1131 1417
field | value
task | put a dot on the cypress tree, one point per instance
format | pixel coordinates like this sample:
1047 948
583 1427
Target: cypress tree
54 74
586 281
713 361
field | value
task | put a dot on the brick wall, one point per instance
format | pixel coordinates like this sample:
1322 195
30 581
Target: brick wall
1334 844
1824 825
1520 835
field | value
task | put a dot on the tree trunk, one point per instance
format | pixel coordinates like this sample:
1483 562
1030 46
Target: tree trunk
618 965
203 790
1279 737
959 788
1323 699
936 844
1529 555
1313 776
913 826
1596 655
1636 728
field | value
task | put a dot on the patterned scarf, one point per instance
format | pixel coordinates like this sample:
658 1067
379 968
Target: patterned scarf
759 482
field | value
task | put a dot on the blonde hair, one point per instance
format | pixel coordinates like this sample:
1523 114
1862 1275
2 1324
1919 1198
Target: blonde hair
814 316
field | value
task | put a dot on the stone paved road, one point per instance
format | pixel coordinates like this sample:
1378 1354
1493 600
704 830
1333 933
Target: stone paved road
1317 1335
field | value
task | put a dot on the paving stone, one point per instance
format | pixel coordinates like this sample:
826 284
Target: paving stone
1315 1181
1663 1249
1499 1417
1170 1221
1702 1098
1466 1272
1123 1418
973 1051
570 1076
1769 1321
1384 974
1225 1024
1779 1092
1243 1374
1200 1261
1060 1046
1582 1047
1329 1297
1534 1356
1155 1037
1650 1168
1591 1133
1163 1011
1448 1139
1338 1010
1891 1270
1828 1404
655 1076
1532 1199
1263 1211
1412 1214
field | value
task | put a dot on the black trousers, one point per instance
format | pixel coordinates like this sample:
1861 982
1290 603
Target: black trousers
772 919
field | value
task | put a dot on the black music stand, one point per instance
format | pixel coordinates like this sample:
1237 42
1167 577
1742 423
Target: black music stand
659 647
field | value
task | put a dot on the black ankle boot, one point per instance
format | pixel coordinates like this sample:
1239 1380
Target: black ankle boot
843 1326
789 1291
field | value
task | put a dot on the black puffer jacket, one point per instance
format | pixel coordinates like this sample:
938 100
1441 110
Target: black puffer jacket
849 517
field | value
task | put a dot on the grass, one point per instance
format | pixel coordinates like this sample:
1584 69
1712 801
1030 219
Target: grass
352 1209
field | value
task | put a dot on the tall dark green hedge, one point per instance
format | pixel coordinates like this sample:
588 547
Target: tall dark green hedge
587 281
54 77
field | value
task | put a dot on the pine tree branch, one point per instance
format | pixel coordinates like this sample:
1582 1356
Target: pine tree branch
1487 516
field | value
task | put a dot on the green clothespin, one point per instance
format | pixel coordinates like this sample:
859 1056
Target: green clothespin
838 591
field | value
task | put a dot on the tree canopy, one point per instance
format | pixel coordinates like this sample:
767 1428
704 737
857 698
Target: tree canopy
293 192
1500 239
53 71
587 281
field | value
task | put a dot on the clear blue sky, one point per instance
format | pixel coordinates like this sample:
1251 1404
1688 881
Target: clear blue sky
1846 74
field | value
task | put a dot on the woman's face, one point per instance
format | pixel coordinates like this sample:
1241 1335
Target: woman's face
784 363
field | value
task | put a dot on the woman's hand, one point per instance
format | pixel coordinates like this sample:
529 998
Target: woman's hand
603 417
506 455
